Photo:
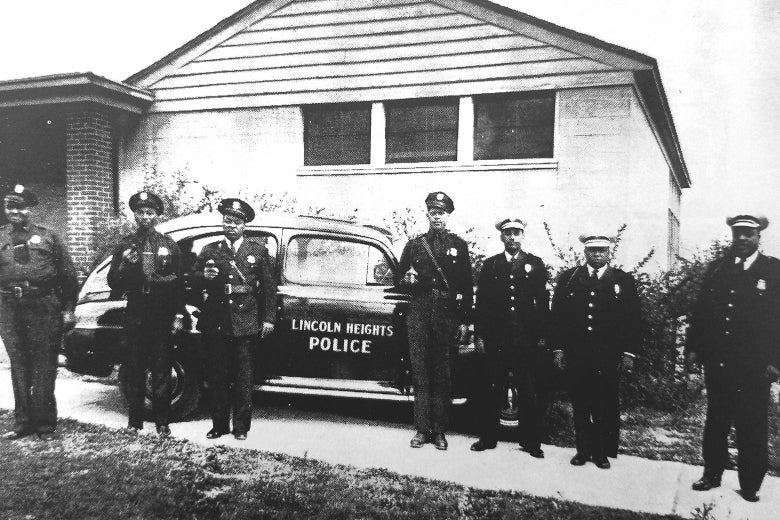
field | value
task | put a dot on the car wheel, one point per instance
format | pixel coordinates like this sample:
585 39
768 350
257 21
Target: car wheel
185 390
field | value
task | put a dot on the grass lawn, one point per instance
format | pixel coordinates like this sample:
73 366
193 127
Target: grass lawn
95 472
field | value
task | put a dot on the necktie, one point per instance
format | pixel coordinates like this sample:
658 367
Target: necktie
147 259
594 276
436 246
739 265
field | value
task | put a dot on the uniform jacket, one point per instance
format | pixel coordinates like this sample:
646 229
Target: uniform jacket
42 261
736 319
236 314
453 258
594 322
165 283
512 303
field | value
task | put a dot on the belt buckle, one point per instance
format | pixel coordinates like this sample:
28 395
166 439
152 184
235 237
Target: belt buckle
228 288
18 293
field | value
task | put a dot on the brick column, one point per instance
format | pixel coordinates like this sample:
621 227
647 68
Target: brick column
90 182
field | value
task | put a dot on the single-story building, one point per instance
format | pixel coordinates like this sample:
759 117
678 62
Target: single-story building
368 105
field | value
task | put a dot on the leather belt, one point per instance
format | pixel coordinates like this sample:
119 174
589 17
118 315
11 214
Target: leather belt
238 289
23 289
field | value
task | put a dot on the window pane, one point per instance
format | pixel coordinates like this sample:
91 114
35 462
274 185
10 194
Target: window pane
519 126
327 260
337 134
422 131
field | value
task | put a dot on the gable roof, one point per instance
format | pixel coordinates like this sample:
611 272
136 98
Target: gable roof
610 56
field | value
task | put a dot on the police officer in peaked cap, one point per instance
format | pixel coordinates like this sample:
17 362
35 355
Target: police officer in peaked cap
146 268
735 334
38 292
240 309
437 269
510 319
597 329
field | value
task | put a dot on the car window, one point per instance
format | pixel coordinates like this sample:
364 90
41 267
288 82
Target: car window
337 261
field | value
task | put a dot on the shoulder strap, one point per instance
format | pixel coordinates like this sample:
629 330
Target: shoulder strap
435 263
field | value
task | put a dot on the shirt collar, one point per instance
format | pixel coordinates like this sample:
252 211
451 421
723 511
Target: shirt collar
749 260
600 270
236 245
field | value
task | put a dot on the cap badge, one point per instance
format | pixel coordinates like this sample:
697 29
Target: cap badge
36 239
761 284
439 196
18 188
143 195
236 204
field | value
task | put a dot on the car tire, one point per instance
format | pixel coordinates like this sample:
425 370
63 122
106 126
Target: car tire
185 390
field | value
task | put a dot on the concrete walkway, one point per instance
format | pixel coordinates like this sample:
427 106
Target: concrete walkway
633 483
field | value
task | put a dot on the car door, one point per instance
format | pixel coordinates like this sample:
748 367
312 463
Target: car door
341 319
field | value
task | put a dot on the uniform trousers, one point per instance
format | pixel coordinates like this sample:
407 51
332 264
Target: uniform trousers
741 399
31 329
431 324
230 381
595 399
150 349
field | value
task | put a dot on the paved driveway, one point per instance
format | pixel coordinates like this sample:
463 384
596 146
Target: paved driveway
327 433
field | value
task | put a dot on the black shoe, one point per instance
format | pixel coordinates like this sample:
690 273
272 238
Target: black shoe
17 434
47 436
579 459
439 441
706 482
419 440
215 434
536 453
749 495
163 430
602 463
482 445
239 436
135 426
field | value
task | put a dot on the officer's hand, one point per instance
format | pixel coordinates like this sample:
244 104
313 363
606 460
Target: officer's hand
131 256
627 363
691 358
479 344
209 273
68 319
558 360
462 336
178 324
268 328
772 372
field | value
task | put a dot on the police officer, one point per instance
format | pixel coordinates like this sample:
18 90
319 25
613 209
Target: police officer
735 333
597 325
240 305
511 312
38 291
146 268
437 268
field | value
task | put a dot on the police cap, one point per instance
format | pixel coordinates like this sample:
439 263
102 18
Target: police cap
753 220
146 199
440 200
596 239
21 196
237 208
510 223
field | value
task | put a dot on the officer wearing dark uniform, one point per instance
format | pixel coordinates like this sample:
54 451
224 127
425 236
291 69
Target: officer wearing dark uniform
596 317
437 268
240 305
38 291
146 268
511 314
735 333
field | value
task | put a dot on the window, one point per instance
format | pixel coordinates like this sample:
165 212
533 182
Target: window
422 130
337 134
331 260
516 126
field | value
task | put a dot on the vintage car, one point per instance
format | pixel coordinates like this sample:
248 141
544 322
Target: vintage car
340 327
